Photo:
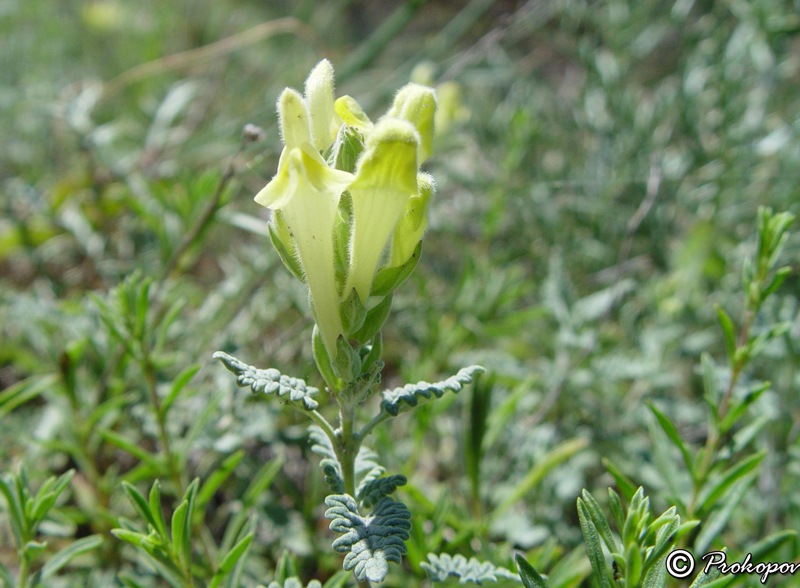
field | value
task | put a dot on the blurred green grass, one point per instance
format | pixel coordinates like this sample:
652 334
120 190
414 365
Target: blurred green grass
594 199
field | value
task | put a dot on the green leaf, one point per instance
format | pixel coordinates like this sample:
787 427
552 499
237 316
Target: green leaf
178 524
129 581
323 360
599 521
66 555
739 406
24 391
665 540
712 492
270 381
439 567
778 279
141 505
703 579
616 508
235 554
183 542
715 523
767 547
279 235
34 549
529 576
405 398
215 480
352 312
261 481
479 410
624 483
633 565
231 559
286 567
593 545
728 331
338 580
133 537
155 510
141 454
370 543
178 384
388 279
374 320
674 436
555 457
347 364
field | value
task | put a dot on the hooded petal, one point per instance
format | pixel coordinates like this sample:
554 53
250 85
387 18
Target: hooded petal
352 114
386 178
411 227
417 104
319 101
307 192
293 119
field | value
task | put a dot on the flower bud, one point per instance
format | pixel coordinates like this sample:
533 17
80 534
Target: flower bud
417 104
293 119
319 100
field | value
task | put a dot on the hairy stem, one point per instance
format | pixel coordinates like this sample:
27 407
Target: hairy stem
348 448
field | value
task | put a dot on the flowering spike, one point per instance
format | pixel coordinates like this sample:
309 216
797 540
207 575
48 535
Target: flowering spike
386 178
417 104
319 100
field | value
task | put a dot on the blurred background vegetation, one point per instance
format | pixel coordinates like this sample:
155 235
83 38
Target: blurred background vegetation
599 166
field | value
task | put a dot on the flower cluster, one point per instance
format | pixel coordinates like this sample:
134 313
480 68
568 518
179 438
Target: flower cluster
349 203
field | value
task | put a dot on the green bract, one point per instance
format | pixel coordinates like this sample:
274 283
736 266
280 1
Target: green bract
337 244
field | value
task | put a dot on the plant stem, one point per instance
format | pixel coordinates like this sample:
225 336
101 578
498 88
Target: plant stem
348 448
23 569
374 422
206 216
161 418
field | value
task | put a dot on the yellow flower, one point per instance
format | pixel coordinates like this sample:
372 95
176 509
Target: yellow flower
386 178
334 244
306 192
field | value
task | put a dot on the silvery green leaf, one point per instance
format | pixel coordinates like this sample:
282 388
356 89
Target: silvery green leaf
320 444
439 567
294 583
270 381
371 492
405 398
370 542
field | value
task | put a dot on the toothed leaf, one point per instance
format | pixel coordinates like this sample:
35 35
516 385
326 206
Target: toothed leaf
370 542
294 583
370 493
405 398
321 445
439 567
270 381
